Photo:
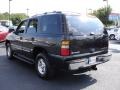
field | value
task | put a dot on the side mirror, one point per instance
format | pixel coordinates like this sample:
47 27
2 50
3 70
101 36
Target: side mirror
92 33
11 30
20 31
70 33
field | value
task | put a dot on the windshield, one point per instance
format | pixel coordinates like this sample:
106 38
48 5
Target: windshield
82 25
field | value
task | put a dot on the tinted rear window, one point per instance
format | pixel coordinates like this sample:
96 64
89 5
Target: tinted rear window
79 25
50 24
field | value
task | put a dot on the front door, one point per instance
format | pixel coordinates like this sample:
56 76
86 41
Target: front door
18 37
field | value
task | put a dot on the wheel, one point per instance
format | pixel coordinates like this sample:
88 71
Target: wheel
9 51
112 37
43 67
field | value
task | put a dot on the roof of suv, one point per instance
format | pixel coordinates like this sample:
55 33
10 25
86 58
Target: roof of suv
64 13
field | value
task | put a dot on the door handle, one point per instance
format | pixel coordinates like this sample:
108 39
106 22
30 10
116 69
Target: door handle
21 38
92 33
33 39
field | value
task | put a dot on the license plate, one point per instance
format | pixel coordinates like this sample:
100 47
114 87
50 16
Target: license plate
92 60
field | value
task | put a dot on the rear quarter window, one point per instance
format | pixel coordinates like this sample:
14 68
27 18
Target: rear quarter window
50 24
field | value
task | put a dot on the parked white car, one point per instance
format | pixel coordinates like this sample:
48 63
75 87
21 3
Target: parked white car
117 36
113 33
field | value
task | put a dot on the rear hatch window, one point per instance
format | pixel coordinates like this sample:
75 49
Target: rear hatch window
83 25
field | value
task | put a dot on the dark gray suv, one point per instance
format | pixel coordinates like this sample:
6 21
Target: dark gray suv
58 41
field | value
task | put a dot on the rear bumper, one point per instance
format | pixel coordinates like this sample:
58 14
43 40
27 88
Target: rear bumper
80 63
88 62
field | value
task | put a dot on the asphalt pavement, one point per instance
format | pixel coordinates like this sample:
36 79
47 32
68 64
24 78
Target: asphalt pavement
17 75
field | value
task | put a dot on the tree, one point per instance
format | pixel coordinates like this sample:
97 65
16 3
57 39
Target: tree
4 16
103 14
17 17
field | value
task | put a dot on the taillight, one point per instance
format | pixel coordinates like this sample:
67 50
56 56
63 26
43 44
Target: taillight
65 48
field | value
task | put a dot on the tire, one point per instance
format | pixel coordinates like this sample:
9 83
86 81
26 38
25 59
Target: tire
9 51
112 37
43 67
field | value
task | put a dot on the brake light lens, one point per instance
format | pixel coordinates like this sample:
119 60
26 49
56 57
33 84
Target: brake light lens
65 49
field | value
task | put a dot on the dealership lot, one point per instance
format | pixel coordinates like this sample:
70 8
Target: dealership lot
17 75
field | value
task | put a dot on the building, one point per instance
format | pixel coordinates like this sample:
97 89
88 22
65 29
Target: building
115 17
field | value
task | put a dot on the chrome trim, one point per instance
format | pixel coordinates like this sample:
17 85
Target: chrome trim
16 46
27 49
21 48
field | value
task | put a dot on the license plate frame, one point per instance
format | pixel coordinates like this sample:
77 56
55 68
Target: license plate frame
82 62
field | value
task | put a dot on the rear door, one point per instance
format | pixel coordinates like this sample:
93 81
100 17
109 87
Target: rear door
86 34
29 38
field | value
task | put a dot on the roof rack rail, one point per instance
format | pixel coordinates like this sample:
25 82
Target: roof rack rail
47 13
52 12
36 15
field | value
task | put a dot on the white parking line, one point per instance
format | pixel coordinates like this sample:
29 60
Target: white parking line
2 46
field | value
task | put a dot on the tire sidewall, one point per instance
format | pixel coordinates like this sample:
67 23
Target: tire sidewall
112 36
11 54
47 71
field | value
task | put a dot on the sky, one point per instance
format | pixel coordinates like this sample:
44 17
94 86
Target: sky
41 6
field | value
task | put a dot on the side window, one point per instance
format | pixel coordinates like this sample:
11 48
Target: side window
32 26
50 24
21 28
